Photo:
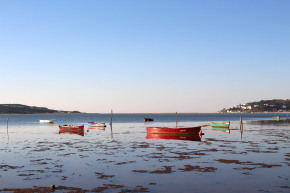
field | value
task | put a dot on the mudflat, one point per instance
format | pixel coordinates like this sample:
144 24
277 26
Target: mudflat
37 158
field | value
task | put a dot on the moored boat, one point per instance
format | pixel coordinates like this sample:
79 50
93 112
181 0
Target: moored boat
70 127
46 121
77 132
96 124
148 119
174 137
176 131
225 124
276 117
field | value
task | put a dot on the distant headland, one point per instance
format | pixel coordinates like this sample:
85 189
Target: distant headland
275 105
24 109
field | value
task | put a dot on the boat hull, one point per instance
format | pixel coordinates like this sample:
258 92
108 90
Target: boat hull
176 131
148 119
72 129
221 124
46 121
64 128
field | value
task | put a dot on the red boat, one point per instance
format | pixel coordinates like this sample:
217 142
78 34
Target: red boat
148 119
174 137
71 129
64 128
176 131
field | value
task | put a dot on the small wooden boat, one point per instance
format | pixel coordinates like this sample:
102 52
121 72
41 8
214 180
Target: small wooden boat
174 137
276 118
95 124
148 119
64 128
77 132
46 121
225 124
176 131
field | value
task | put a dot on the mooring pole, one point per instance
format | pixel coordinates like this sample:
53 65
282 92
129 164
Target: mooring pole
241 126
176 119
111 119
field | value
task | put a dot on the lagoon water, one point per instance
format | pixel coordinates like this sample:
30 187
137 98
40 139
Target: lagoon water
124 159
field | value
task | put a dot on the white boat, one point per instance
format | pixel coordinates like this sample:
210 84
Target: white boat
46 121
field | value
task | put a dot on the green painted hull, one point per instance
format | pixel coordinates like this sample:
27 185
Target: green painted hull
221 126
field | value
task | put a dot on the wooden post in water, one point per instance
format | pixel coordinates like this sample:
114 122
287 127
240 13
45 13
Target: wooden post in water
111 123
176 119
241 126
111 119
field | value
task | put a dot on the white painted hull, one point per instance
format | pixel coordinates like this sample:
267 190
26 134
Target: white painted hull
46 121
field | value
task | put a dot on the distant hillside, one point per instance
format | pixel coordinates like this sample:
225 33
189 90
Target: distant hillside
275 105
24 109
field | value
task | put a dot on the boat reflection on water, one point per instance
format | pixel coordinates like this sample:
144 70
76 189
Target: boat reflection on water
174 137
221 129
96 128
77 132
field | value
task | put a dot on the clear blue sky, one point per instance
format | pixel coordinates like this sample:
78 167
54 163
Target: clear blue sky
143 56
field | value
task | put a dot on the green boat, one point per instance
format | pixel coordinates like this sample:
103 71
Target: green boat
276 117
225 124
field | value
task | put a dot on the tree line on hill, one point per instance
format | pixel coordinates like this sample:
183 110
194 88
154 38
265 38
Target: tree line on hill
275 105
24 109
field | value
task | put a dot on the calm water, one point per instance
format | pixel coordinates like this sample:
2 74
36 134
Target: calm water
133 118
255 159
